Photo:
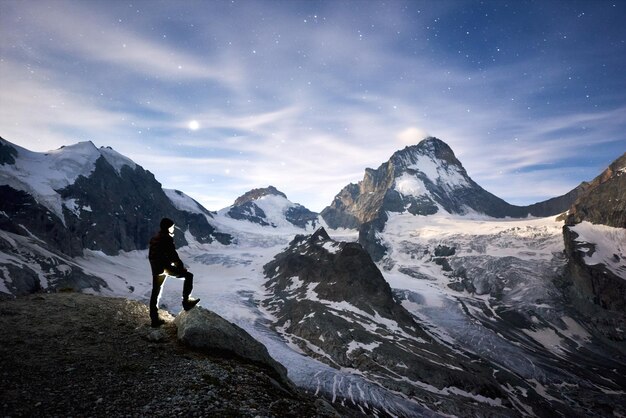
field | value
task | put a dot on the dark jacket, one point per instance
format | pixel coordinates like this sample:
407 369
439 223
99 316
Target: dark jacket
162 253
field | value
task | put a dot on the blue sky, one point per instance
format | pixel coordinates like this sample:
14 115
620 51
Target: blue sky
304 95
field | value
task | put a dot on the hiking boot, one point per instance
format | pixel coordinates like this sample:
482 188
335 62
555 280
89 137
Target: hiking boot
156 323
190 303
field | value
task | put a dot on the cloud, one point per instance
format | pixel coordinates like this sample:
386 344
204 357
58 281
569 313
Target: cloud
411 136
86 34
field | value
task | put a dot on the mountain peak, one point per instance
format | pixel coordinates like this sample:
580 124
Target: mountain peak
431 147
255 194
270 207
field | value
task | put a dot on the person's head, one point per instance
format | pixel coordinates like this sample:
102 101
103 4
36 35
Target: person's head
167 225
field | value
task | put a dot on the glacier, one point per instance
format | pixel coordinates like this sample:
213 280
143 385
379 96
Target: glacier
513 260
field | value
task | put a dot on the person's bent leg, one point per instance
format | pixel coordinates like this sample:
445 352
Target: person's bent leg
188 301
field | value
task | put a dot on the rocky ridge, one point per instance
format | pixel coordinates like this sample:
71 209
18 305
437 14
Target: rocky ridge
79 355
588 284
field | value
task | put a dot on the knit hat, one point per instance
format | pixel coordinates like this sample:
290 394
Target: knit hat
166 223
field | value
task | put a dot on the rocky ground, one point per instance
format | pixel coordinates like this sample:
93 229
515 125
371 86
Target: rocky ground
69 354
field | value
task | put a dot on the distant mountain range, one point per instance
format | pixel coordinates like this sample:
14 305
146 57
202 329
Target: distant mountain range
410 288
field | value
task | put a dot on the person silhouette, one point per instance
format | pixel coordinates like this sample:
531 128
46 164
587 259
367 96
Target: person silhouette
164 261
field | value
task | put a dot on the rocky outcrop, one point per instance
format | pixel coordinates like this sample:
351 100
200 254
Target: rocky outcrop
330 300
21 214
29 266
301 217
7 152
591 283
208 332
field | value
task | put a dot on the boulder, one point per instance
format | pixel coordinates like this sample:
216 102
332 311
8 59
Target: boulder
208 332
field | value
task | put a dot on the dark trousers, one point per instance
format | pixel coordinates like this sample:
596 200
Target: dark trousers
157 284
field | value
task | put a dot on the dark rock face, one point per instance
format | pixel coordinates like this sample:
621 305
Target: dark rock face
7 153
126 210
420 180
249 211
21 214
591 283
301 216
331 300
33 266
603 200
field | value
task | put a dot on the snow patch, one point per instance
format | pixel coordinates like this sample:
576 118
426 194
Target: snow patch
409 185
438 173
354 345
183 202
609 243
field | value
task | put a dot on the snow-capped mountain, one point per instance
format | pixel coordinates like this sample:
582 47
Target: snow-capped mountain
423 179
270 207
94 198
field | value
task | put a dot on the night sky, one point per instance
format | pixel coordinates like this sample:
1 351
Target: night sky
218 97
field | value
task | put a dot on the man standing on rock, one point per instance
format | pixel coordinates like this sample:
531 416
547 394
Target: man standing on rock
164 261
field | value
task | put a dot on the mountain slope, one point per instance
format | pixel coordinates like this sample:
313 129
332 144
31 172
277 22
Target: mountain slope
464 315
